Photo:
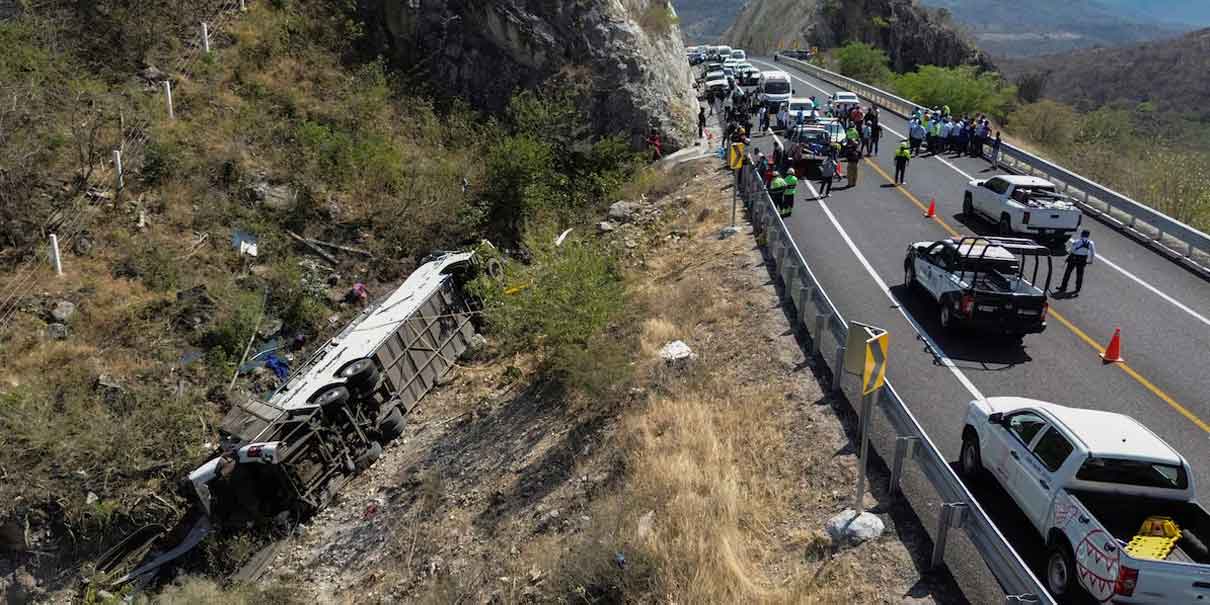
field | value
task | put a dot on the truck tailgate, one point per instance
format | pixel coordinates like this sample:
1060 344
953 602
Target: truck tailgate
1168 582
1050 218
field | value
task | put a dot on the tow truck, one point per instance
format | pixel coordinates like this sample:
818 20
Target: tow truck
1023 204
1115 504
980 282
283 458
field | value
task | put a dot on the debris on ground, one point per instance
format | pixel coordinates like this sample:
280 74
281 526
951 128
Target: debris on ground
848 528
677 354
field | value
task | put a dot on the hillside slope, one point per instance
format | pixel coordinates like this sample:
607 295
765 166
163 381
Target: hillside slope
911 34
1035 27
704 21
481 51
1170 74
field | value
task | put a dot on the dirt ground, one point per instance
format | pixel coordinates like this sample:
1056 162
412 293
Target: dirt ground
711 483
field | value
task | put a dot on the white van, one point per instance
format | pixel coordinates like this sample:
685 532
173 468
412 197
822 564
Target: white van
739 55
724 52
774 89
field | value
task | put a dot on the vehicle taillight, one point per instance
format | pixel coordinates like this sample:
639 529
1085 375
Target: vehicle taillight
1025 219
967 303
1045 308
1127 579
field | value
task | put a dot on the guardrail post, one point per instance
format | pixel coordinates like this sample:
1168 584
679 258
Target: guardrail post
821 324
56 260
119 178
863 452
951 516
838 370
905 447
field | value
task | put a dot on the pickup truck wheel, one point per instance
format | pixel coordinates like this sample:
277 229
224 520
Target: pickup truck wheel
968 206
947 315
1061 572
1006 226
971 460
909 274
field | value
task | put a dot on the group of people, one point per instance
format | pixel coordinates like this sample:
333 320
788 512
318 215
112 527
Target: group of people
943 132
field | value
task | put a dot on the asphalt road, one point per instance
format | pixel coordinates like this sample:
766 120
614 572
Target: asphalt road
1162 310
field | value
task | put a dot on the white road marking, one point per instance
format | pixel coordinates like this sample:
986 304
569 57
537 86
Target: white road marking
1109 263
937 350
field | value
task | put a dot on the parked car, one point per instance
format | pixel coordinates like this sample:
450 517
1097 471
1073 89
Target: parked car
843 102
1115 504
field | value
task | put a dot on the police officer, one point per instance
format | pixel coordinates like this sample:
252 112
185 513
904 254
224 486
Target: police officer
787 200
1080 253
902 156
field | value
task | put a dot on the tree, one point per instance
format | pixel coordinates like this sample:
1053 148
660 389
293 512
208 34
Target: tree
1031 85
962 88
863 62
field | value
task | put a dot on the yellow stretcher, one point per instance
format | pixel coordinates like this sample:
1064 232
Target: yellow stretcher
1155 540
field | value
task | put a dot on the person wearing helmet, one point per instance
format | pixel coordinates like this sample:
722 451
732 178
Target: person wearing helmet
902 156
777 190
787 200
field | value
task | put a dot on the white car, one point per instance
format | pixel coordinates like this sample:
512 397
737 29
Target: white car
1115 504
843 102
802 111
1023 204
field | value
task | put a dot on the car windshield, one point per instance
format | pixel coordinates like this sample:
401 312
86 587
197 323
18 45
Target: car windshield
1133 472
777 87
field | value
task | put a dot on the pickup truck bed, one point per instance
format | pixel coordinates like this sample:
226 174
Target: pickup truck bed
1122 516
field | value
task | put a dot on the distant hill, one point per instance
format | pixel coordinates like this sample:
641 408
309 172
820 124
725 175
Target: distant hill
704 21
1035 27
1181 12
1170 75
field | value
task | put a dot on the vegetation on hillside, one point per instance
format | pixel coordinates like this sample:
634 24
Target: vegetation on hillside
97 427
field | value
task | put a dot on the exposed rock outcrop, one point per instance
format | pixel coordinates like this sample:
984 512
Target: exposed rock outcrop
482 50
912 35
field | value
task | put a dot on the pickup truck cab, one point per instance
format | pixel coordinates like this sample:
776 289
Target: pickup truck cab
1114 502
980 282
1023 204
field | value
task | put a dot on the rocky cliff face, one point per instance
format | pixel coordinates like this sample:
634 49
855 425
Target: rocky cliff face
911 34
483 50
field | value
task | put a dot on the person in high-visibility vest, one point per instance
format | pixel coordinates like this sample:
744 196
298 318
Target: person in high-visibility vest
902 156
777 189
787 200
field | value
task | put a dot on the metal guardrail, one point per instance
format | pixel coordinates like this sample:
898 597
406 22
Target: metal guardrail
901 433
1171 237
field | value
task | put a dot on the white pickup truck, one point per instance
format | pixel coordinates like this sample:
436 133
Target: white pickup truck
1023 204
1113 501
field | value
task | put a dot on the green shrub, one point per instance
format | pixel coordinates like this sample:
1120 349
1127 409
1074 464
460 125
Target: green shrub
1045 122
962 88
561 303
863 62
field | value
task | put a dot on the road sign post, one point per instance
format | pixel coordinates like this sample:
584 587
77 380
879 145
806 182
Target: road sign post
865 356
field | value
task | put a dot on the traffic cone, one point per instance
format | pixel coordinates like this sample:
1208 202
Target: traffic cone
1113 353
932 208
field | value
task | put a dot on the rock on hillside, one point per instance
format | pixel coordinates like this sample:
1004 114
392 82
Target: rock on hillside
482 50
911 34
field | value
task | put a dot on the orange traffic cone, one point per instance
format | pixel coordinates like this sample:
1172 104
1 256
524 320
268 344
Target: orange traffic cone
932 208
1113 353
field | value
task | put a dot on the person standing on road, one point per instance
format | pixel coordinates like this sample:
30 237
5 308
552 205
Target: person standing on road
996 151
827 172
1080 253
916 135
867 138
777 190
875 135
787 199
762 119
902 156
701 122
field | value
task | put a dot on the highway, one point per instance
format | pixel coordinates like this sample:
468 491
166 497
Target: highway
856 239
